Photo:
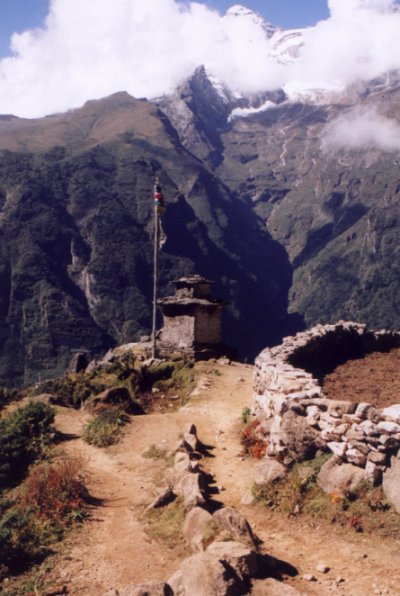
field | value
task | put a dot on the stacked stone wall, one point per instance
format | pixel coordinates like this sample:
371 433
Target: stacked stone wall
299 419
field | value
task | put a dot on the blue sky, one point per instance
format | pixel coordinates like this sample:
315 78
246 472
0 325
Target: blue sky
18 15
285 13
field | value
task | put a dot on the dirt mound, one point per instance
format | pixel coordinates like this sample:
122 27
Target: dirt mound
374 379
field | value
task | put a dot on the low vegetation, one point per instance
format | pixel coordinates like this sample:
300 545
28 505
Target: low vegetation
7 396
141 382
165 524
24 437
39 500
252 440
365 509
106 428
155 452
51 499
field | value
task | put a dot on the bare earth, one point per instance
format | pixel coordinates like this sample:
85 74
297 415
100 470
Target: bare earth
374 379
113 549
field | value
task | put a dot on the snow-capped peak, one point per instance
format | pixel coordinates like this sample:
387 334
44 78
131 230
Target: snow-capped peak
239 11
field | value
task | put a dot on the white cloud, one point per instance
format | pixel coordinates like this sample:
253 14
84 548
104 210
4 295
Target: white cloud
362 128
90 49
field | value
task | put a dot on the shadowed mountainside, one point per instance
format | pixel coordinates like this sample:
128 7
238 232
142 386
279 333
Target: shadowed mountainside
76 237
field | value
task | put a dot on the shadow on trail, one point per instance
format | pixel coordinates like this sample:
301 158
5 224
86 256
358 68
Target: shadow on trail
269 566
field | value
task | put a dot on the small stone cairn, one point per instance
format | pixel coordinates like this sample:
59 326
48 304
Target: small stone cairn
297 419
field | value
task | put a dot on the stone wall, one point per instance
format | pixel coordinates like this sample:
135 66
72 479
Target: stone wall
179 331
208 326
298 419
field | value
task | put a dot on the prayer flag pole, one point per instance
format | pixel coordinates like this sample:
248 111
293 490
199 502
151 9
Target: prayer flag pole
158 209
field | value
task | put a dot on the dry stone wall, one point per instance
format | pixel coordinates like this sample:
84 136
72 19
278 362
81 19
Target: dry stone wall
297 419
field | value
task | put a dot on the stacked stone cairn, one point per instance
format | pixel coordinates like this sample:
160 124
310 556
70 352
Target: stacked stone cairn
297 419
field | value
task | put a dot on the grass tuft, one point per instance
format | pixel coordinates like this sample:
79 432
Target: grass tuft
106 428
165 524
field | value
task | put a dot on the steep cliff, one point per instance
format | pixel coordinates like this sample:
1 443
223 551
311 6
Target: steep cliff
76 237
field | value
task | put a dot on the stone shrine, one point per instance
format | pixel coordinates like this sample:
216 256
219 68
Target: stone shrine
192 317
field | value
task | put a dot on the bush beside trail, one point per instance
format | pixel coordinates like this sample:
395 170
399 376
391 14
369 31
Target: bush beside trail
24 437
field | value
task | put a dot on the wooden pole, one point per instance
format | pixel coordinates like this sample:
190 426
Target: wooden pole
155 281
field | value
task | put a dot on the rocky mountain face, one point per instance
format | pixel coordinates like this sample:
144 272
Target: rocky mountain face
76 237
334 211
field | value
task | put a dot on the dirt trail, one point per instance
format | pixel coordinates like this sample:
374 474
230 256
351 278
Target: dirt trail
113 549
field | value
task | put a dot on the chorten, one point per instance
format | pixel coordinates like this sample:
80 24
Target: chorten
192 317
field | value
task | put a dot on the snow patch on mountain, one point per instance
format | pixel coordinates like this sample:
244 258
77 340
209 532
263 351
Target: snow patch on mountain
287 45
239 11
245 112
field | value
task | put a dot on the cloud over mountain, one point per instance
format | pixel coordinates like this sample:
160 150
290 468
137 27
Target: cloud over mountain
362 129
91 49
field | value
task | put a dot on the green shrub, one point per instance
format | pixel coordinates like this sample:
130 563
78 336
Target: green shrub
105 429
70 390
246 413
8 395
178 377
74 389
24 435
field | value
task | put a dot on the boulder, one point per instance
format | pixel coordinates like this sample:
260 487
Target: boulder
392 413
373 473
195 527
273 587
204 574
182 467
354 456
269 470
391 483
300 439
176 584
388 428
337 448
183 446
78 363
362 410
183 463
114 396
378 458
150 588
339 408
233 522
335 477
165 496
190 488
240 557
191 440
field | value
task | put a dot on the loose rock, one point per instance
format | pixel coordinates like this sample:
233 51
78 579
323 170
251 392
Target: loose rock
195 526
337 477
269 470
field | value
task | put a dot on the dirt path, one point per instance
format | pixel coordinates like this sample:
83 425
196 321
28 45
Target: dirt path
113 548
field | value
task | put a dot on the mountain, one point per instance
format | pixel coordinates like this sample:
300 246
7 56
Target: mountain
76 237
239 12
288 199
335 211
